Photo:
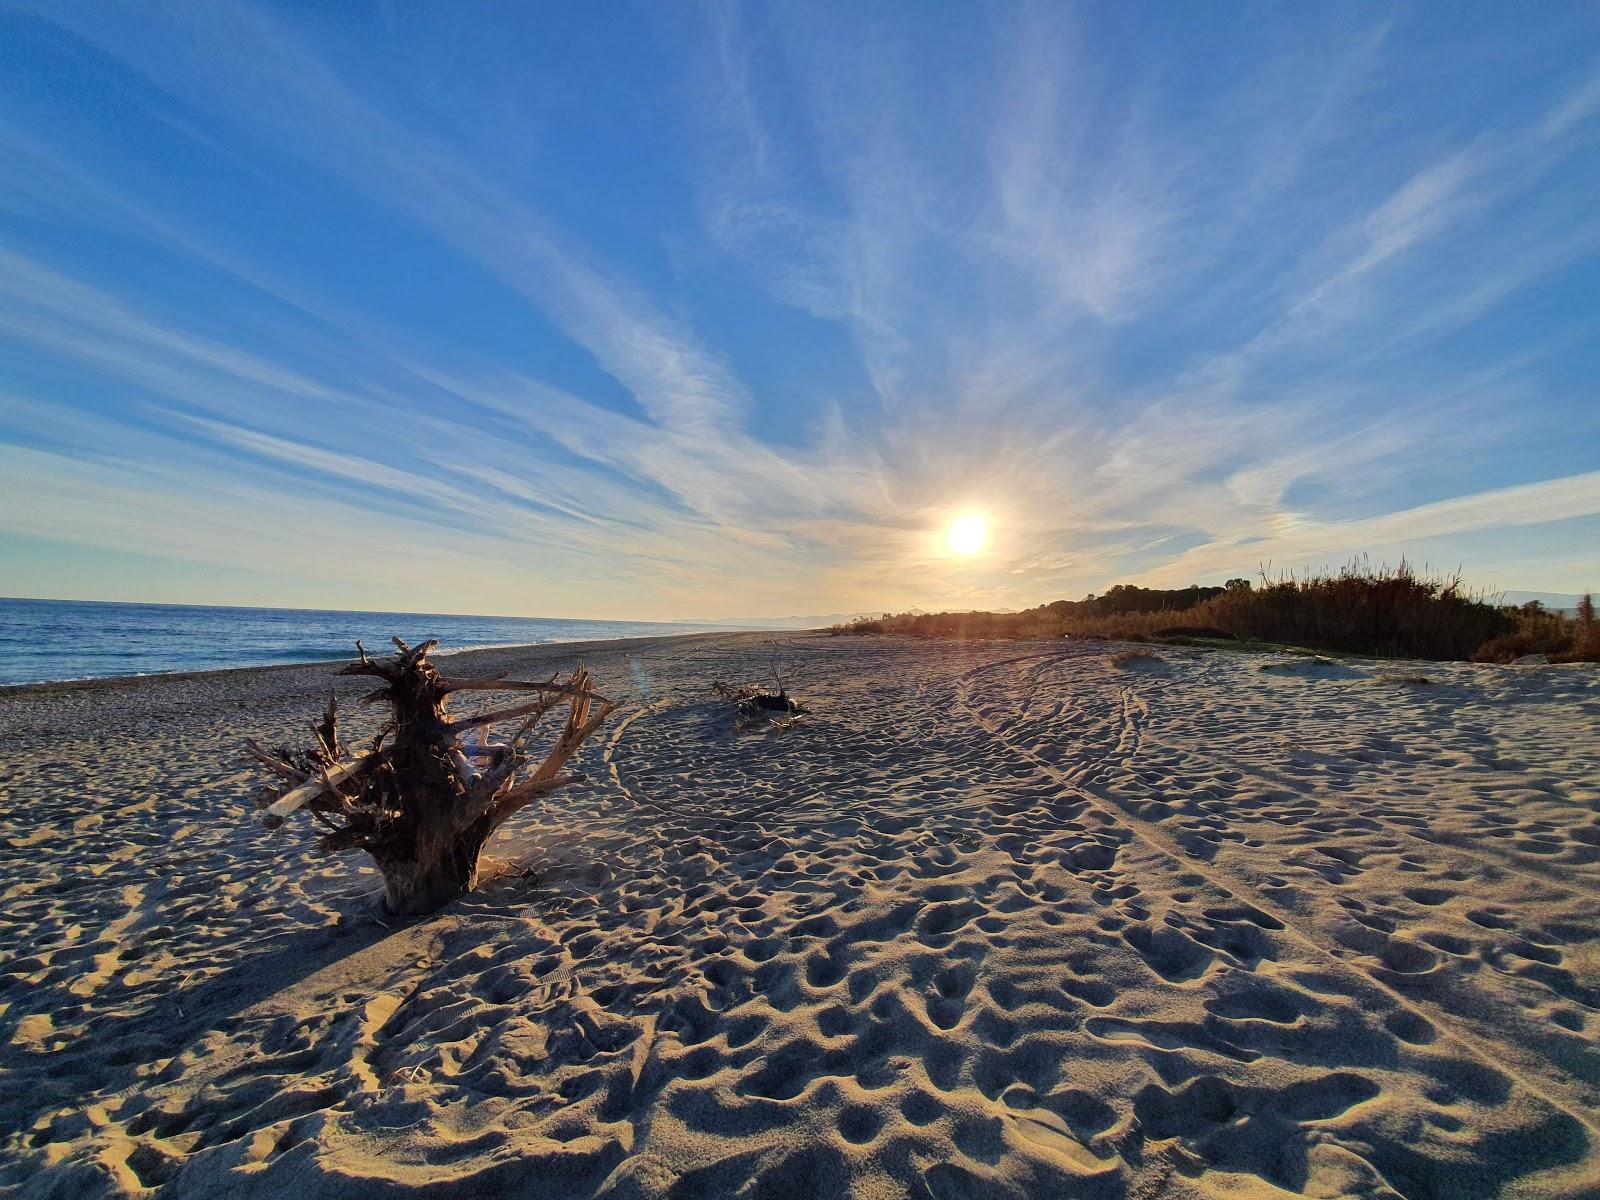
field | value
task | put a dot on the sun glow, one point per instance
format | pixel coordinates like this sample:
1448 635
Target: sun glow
967 534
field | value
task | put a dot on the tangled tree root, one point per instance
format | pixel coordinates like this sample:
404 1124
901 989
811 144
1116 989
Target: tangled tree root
421 798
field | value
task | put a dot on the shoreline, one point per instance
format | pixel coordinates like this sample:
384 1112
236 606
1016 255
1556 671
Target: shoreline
95 681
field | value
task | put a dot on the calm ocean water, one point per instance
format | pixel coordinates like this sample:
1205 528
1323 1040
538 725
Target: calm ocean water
78 639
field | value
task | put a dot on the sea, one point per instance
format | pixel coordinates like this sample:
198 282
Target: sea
49 640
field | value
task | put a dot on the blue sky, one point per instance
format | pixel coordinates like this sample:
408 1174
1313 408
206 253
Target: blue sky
674 311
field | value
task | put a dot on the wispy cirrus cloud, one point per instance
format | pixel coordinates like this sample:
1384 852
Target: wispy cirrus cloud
845 274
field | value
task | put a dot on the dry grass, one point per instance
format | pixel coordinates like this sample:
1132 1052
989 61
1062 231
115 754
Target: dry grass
1364 611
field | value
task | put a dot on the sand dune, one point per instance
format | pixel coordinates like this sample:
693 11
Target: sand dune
997 920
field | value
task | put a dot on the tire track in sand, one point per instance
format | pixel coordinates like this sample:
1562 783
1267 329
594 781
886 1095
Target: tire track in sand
1153 836
1551 875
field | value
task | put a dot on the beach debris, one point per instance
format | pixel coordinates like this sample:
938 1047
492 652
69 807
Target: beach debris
1309 666
753 705
1139 660
423 797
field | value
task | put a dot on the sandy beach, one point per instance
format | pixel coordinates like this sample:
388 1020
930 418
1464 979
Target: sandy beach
1017 919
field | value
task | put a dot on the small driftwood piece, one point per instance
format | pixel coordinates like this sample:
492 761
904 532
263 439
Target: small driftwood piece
420 799
752 705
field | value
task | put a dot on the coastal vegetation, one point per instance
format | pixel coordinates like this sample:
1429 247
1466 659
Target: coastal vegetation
1388 612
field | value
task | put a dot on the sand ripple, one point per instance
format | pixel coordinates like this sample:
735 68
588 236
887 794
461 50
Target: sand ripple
998 920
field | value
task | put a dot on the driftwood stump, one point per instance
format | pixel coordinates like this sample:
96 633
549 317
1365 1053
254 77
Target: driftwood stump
423 798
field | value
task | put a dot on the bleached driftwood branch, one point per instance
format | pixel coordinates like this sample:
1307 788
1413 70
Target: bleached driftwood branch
327 782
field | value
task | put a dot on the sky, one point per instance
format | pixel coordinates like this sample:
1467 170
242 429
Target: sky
680 311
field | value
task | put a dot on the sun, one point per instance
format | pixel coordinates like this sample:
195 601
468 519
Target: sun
967 534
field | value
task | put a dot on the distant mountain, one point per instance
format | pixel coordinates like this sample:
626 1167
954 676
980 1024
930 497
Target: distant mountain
811 622
1560 600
